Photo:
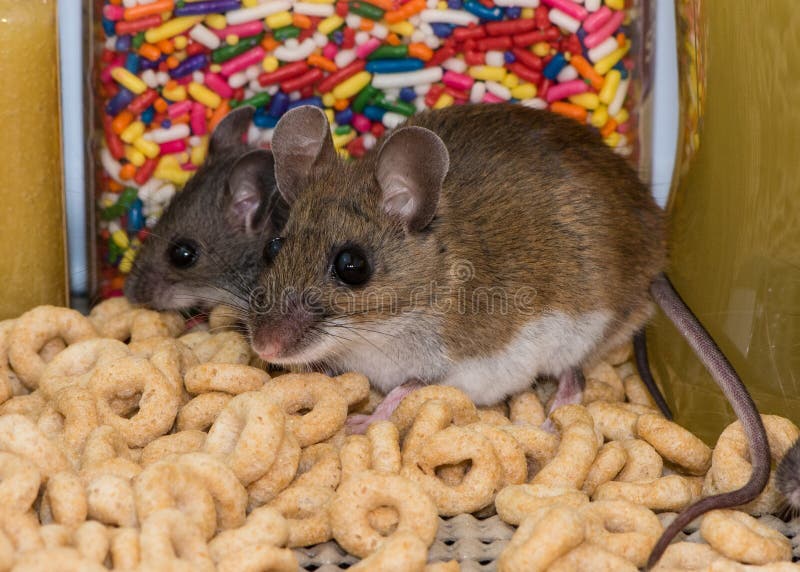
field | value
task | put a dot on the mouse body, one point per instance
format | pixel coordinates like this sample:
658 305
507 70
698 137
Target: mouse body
204 249
478 246
787 478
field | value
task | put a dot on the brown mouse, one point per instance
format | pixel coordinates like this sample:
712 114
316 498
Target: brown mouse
478 247
205 248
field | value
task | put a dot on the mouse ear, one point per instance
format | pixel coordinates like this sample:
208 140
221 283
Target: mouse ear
250 191
230 131
302 139
412 165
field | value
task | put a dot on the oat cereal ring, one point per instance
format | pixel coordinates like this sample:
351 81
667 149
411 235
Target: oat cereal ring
6 552
264 525
576 452
279 475
368 490
623 528
305 509
222 317
309 391
176 361
591 557
165 485
19 482
22 529
189 441
354 456
672 492
261 558
637 392
148 324
400 552
539 445
384 440
199 414
227 377
643 464
606 466
492 416
79 410
102 444
450 446
30 405
34 329
353 386
687 556
224 347
126 378
526 408
741 537
92 540
124 548
725 565
20 435
675 443
319 465
56 535
230 497
603 384
65 499
613 421
246 435
432 416
110 499
541 539
513 465
73 367
106 310
169 535
515 502
462 408
69 560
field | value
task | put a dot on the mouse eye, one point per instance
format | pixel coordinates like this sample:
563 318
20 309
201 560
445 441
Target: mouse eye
183 254
272 249
351 267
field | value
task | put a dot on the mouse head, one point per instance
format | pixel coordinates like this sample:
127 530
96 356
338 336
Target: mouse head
205 247
356 251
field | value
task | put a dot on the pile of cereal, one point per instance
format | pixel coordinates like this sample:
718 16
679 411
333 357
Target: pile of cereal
127 443
170 70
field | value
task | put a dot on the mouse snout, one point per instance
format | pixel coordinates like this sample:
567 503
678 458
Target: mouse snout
279 332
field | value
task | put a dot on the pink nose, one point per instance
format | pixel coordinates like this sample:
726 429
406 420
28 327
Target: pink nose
268 349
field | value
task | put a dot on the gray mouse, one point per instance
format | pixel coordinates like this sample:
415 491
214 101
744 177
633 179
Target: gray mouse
478 247
205 248
787 478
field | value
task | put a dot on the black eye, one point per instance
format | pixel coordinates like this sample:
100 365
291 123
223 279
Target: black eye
272 249
351 266
183 254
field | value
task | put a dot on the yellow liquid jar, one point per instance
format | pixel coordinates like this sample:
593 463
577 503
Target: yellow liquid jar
33 267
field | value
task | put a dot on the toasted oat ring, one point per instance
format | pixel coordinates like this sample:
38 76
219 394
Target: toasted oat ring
79 409
103 312
169 535
199 414
432 416
384 440
30 405
19 482
675 443
167 484
353 386
158 405
34 329
110 499
178 443
279 475
603 383
449 446
741 537
492 416
541 539
260 558
609 462
65 498
591 557
320 466
124 548
56 535
525 408
73 367
305 509
368 490
538 445
636 391
92 540
615 422
247 435
20 435
6 385
687 556
224 347
643 464
401 552
230 497
623 528
672 492
68 559
264 525
513 466
231 378
576 452
354 456
294 392
515 502
462 408
22 529
102 444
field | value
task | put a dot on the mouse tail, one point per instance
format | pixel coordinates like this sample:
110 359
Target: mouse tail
643 365
725 376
